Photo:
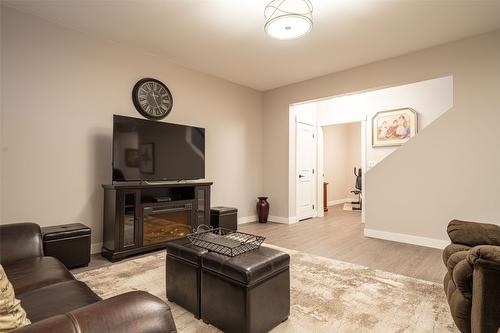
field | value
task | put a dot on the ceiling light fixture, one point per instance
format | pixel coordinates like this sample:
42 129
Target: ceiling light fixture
288 19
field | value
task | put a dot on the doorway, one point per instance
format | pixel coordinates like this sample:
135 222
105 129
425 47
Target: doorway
342 166
306 194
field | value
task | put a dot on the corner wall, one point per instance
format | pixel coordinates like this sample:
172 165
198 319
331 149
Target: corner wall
471 185
60 89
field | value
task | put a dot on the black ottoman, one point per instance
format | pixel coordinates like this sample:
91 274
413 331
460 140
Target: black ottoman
183 274
247 293
224 217
70 243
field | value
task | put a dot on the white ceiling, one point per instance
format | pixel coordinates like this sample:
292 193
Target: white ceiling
226 38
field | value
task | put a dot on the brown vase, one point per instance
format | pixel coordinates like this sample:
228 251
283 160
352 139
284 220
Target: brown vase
263 209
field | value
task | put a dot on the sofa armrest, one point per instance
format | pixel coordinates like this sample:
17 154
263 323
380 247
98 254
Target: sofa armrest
20 241
136 311
473 233
485 289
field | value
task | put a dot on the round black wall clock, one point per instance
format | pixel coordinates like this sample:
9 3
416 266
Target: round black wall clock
152 98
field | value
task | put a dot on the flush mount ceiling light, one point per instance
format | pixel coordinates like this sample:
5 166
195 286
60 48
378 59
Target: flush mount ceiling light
288 19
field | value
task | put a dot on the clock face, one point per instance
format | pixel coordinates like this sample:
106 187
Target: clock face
152 98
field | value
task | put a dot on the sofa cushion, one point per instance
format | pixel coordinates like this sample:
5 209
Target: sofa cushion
56 299
33 273
473 233
12 315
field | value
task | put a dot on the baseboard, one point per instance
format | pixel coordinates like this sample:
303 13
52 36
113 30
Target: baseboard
338 201
247 219
280 219
95 248
409 239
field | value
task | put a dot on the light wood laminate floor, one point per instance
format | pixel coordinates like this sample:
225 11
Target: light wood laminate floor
339 235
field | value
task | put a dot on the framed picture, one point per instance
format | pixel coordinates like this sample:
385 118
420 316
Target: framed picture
394 127
147 158
132 158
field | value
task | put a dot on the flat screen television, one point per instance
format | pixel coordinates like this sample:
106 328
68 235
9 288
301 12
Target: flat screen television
146 150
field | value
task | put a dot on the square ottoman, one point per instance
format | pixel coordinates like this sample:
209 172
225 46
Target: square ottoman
183 274
247 293
70 243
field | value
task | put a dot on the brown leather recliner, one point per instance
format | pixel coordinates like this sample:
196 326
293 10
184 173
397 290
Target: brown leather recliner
55 302
472 284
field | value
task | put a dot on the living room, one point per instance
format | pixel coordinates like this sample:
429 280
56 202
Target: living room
68 67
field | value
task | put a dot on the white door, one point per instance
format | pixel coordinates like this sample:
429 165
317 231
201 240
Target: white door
306 175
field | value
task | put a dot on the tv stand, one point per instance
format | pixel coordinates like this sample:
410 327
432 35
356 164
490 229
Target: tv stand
168 182
142 217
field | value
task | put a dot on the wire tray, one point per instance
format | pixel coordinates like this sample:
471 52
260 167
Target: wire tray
225 241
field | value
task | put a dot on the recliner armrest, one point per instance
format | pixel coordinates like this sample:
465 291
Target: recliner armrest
485 290
485 255
136 311
20 241
473 233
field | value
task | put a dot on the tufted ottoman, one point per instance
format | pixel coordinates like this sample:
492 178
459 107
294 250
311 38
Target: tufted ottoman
248 293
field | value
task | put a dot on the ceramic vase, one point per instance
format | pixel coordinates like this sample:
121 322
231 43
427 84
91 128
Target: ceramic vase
262 209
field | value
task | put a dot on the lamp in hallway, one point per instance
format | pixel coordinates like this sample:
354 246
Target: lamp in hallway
288 19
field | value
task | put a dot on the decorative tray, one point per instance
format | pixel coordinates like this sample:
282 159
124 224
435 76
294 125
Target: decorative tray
225 241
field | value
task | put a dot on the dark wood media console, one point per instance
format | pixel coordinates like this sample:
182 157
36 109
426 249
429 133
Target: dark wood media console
144 217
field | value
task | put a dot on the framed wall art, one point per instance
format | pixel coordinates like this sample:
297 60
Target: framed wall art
394 127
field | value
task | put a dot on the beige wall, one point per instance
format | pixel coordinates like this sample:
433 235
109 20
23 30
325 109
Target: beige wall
342 152
449 170
60 89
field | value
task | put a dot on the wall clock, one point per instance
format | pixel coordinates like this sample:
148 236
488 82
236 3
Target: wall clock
152 98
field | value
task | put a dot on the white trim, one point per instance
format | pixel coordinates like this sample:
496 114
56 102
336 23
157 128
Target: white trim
363 166
278 219
95 248
320 172
339 201
409 239
285 220
247 219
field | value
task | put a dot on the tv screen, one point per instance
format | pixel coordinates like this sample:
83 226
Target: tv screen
152 150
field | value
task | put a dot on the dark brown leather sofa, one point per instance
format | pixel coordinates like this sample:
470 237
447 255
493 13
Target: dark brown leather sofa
55 302
472 284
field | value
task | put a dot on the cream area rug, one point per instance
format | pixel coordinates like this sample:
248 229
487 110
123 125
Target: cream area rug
326 296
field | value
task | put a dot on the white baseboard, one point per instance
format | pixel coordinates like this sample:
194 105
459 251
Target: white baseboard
95 248
409 239
247 219
338 201
280 219
277 219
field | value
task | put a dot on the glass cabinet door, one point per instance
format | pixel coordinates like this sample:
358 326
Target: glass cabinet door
202 200
129 226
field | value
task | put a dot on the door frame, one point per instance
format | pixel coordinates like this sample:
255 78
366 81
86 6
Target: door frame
292 171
